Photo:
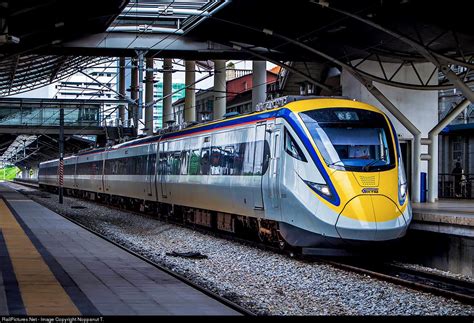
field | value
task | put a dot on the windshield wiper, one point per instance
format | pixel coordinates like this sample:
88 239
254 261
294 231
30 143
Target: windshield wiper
334 164
367 167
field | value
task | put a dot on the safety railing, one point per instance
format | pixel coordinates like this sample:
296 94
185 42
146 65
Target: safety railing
455 186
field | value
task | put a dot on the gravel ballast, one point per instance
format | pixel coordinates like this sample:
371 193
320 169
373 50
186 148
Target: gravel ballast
262 281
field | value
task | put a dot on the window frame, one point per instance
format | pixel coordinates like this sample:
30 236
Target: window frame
299 152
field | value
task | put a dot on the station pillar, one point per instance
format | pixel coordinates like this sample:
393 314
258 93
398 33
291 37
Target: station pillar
259 83
190 96
149 106
122 89
167 90
220 94
132 107
433 148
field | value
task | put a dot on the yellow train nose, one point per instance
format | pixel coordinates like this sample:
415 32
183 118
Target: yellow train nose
370 217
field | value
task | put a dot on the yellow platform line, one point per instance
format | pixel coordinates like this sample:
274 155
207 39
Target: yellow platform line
41 292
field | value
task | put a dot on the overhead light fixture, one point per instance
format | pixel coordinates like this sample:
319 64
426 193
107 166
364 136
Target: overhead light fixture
336 29
165 10
9 39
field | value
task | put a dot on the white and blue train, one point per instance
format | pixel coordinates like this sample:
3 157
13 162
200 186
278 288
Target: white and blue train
311 172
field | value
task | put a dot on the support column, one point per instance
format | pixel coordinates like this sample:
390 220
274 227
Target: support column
190 98
149 106
141 67
122 89
433 148
416 181
259 83
167 90
220 94
61 155
132 108
433 170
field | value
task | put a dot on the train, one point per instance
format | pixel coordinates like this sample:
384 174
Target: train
305 172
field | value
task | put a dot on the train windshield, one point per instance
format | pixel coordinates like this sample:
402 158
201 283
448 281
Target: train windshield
351 139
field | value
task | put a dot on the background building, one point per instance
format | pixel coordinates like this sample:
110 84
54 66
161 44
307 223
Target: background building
238 95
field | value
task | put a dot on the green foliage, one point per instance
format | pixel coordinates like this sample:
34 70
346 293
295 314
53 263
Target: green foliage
8 173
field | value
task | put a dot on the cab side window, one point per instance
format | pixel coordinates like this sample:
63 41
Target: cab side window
292 148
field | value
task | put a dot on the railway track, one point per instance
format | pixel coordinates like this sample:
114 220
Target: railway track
460 290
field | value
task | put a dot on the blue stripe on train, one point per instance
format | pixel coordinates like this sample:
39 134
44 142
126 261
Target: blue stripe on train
283 113
290 117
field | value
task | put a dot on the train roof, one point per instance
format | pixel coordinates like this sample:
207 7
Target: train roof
267 110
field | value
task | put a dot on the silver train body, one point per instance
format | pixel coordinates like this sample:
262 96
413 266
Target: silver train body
260 170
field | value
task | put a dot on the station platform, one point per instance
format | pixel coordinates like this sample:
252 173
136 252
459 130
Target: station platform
450 216
50 266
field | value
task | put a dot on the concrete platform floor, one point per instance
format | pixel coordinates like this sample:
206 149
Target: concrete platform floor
449 216
50 266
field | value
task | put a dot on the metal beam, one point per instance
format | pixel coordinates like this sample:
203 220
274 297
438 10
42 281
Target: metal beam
152 42
354 70
109 88
38 130
285 66
145 29
429 54
167 12
13 72
57 68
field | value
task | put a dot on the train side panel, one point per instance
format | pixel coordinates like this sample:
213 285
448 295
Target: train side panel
217 172
70 172
129 172
48 173
89 170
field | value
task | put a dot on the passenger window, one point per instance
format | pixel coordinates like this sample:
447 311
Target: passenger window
292 148
205 166
184 162
239 155
175 163
194 162
228 160
215 161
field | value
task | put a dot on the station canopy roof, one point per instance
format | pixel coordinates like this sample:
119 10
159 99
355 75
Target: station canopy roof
243 29
29 28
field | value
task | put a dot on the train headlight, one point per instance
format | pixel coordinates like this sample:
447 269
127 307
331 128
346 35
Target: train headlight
402 183
319 188
403 191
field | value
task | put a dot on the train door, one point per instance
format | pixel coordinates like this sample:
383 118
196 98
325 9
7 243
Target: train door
162 168
104 172
259 162
76 185
150 169
273 189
